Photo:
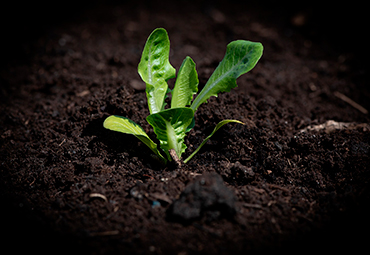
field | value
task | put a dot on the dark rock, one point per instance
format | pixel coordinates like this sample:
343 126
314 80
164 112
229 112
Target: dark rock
205 196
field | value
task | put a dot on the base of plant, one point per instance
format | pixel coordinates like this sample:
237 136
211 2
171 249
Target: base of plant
175 158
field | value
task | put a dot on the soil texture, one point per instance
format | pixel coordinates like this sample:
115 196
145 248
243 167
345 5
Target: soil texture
287 180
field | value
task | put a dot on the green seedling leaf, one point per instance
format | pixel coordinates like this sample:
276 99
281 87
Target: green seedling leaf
190 127
156 96
241 56
218 126
127 126
170 126
186 84
155 68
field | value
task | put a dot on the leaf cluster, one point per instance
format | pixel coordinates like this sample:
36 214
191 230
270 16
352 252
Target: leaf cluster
171 124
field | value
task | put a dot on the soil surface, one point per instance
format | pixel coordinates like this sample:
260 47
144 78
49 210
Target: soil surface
281 182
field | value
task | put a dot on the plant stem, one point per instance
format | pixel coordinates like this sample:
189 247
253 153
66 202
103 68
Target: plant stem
172 140
218 126
195 152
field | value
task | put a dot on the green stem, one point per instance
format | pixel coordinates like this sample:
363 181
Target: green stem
172 140
195 152
218 126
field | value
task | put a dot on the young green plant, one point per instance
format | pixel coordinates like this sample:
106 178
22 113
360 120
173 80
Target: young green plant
171 124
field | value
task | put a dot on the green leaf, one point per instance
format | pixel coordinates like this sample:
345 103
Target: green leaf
218 126
241 56
155 68
186 84
156 96
190 127
127 126
170 126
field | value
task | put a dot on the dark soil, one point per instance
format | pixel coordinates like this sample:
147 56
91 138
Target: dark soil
69 185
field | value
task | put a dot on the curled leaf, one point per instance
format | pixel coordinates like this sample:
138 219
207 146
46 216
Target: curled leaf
170 127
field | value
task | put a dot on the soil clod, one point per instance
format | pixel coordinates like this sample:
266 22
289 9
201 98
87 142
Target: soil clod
206 196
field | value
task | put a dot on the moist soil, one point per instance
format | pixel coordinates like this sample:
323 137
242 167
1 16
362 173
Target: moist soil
280 182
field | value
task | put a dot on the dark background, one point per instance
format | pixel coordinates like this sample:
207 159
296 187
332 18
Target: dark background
340 23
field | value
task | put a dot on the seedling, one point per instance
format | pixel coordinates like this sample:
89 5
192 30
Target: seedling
171 124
